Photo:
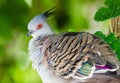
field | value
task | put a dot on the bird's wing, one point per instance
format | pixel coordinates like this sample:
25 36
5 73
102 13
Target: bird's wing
76 55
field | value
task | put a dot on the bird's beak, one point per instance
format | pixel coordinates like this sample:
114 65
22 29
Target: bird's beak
28 34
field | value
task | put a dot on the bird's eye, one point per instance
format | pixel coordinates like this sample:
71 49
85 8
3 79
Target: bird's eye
39 26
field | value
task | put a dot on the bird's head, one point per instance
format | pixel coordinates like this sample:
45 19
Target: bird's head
38 25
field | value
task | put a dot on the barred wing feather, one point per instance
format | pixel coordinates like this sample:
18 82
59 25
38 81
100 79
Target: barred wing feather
79 55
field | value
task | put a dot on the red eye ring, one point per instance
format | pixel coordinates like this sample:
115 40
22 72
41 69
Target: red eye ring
39 26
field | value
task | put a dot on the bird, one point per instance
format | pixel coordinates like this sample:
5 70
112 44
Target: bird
70 57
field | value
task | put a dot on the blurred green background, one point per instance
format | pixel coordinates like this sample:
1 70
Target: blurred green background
15 66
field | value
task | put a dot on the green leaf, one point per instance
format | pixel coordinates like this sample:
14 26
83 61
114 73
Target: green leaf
116 47
118 54
100 34
111 9
110 38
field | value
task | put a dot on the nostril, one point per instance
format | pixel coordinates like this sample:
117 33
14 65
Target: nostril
30 32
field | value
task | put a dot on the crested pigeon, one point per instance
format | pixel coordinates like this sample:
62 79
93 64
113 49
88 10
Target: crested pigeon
70 57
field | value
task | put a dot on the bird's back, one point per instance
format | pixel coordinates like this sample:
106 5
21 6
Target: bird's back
77 54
